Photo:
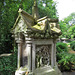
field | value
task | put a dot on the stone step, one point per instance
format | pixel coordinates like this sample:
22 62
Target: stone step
47 70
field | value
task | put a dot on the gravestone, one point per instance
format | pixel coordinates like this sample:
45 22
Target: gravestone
36 38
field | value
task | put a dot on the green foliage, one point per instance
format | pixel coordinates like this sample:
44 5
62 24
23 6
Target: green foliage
61 47
64 27
71 32
8 64
72 45
47 10
8 14
66 61
70 20
67 26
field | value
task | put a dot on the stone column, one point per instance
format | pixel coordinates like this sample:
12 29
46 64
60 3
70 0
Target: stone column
29 56
52 55
54 52
19 53
33 57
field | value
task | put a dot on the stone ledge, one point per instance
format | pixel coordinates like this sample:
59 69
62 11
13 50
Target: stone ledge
47 70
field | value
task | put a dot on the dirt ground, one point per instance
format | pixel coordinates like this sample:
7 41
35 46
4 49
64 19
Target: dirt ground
71 51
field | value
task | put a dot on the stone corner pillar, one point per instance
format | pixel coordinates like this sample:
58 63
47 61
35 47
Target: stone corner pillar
55 41
33 57
19 42
52 55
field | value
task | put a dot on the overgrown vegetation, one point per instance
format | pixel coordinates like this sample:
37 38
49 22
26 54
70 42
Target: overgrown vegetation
8 64
67 26
72 45
61 47
66 61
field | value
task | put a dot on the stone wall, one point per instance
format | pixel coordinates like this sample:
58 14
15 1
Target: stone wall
68 73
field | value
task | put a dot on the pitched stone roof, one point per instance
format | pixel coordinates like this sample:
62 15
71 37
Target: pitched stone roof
45 27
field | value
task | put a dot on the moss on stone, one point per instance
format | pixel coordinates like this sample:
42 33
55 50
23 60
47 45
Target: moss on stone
39 27
56 30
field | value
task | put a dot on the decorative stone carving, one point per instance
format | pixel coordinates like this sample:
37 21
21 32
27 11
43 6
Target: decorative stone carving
43 55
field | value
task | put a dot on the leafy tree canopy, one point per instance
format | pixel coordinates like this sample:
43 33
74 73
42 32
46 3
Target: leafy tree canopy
67 26
70 20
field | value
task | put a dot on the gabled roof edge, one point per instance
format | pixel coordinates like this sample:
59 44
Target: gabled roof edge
18 18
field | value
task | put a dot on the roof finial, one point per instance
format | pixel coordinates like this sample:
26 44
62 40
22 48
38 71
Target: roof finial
35 10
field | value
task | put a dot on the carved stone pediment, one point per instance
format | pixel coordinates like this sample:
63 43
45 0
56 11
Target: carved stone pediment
21 26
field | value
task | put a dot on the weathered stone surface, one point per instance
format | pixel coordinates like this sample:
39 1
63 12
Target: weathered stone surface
21 71
47 70
68 73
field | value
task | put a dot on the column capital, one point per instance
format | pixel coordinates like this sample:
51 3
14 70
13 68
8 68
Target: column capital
19 41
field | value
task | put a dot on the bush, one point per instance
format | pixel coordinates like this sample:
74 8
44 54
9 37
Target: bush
8 64
72 45
61 47
67 61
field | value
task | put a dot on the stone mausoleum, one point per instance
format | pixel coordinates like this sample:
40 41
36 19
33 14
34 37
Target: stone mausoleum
36 38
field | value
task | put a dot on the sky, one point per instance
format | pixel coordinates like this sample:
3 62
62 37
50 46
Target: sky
65 8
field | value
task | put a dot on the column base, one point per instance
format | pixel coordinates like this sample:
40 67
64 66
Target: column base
23 71
20 71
